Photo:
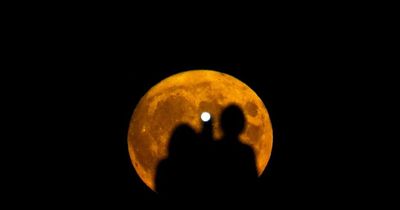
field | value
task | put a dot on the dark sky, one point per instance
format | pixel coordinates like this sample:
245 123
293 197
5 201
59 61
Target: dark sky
309 157
89 75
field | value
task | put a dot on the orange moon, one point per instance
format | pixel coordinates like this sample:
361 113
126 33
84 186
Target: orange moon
182 98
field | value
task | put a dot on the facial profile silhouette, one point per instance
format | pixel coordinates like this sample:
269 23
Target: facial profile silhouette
232 121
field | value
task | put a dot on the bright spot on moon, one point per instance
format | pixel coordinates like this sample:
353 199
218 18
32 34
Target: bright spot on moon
205 116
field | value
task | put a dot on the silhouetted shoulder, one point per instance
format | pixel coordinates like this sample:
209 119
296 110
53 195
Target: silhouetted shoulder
162 177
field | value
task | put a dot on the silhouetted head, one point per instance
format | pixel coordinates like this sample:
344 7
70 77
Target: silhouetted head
182 139
232 120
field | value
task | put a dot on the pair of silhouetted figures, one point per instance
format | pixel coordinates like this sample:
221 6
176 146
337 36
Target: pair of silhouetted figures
202 169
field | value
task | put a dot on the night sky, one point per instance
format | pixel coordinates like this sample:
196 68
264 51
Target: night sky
90 75
309 156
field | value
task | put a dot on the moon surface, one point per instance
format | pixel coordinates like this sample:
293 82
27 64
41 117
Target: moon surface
189 97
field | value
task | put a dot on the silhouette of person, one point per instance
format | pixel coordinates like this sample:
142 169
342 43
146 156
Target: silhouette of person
237 170
173 176
198 168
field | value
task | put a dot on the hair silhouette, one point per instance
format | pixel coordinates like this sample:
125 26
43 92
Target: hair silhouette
232 121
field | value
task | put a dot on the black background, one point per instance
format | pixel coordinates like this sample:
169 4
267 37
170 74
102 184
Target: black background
90 72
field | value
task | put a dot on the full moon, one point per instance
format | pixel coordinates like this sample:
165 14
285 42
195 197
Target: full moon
193 97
